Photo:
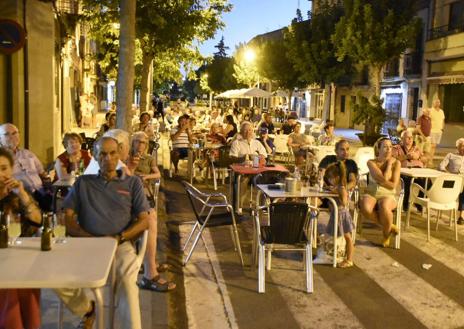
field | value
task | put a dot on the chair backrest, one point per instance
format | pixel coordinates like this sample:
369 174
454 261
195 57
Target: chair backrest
323 151
269 177
288 221
363 154
197 199
224 160
280 143
445 189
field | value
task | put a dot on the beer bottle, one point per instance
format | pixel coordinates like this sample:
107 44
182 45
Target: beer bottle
47 233
3 230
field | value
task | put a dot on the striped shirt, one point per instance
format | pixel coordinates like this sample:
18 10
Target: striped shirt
182 140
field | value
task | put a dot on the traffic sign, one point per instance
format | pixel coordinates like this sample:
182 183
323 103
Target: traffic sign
12 36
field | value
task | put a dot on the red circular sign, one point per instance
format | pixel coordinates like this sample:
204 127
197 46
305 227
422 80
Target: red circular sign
12 36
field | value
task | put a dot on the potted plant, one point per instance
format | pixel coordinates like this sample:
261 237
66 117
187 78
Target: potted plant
372 115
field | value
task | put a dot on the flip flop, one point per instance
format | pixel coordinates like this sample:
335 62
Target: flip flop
345 264
154 284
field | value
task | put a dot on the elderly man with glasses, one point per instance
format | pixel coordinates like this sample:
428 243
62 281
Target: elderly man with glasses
454 163
27 167
410 156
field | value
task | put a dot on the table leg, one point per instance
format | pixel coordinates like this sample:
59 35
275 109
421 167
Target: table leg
100 308
190 165
335 209
111 295
238 203
408 214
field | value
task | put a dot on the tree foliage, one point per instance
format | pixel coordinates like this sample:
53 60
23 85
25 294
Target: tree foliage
245 71
311 50
274 64
374 32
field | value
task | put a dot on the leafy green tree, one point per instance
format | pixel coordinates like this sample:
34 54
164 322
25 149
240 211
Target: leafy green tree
373 32
245 69
174 26
313 54
275 65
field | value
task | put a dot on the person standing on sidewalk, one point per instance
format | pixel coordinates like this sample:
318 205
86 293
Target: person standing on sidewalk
424 127
437 117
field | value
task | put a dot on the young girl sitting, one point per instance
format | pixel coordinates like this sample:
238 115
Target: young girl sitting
335 180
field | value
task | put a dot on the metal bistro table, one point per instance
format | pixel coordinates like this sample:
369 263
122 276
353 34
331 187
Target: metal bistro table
238 170
306 193
418 173
79 263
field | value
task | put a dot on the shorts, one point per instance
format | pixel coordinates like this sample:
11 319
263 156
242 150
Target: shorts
436 137
183 152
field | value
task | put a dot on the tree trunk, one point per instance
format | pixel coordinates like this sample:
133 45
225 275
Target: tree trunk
290 92
377 71
145 92
327 96
125 80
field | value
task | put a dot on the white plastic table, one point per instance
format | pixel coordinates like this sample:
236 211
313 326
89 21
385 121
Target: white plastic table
79 263
418 173
306 193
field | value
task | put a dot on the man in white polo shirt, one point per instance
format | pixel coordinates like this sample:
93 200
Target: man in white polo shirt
437 117
246 143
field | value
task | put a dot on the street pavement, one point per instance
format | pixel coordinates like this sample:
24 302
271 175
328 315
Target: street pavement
386 288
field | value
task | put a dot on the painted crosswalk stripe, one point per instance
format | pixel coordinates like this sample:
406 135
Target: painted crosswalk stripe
424 301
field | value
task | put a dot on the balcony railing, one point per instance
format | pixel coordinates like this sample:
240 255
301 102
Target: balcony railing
445 30
68 6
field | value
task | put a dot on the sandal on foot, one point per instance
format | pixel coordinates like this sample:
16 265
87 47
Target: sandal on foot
345 263
386 242
155 284
394 230
163 267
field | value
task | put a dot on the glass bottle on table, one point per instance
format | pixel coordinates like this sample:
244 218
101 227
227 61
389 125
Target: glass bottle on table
3 230
47 233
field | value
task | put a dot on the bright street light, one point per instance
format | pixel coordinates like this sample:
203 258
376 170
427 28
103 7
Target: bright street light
250 55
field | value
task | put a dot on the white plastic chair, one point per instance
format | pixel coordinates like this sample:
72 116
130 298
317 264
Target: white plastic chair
442 195
363 154
322 151
142 246
357 220
281 147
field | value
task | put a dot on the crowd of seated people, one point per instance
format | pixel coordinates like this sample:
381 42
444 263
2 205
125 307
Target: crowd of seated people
124 159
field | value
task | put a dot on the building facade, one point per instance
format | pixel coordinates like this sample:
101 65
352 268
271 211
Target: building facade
41 84
443 72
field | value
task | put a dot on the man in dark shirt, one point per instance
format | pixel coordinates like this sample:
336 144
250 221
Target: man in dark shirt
288 126
267 123
342 150
108 204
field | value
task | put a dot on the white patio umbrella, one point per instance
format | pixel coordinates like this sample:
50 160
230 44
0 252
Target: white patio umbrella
253 92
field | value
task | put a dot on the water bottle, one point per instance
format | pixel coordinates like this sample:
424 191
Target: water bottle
3 230
256 160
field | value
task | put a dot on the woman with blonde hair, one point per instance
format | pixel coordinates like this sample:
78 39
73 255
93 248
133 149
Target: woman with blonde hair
380 199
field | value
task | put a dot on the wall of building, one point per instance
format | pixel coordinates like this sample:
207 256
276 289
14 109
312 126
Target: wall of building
34 111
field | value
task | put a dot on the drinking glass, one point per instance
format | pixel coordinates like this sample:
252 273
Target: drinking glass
14 228
59 227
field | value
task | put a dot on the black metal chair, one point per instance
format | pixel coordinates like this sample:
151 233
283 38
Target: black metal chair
221 164
290 227
211 210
